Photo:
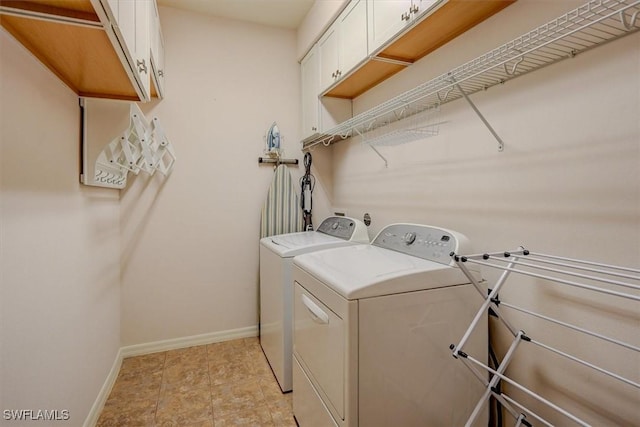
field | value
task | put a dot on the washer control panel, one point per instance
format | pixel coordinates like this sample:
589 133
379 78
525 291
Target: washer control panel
422 241
338 226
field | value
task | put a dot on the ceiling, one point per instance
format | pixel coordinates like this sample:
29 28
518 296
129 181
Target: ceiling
276 13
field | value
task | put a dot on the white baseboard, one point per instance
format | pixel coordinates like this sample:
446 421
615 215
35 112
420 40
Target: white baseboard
154 347
175 343
103 395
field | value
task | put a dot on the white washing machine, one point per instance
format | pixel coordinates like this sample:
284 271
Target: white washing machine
372 329
276 285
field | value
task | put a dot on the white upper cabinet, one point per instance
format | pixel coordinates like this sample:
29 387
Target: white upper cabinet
129 21
389 17
371 40
344 44
113 8
143 44
352 39
310 78
386 18
328 53
157 50
318 114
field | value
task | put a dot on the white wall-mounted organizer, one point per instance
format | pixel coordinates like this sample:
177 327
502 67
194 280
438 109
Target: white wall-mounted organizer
117 140
591 25
560 273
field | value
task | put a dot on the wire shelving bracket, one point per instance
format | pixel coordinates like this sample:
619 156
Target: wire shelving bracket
588 26
411 124
619 282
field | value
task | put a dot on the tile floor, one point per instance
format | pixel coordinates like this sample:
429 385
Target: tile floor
222 384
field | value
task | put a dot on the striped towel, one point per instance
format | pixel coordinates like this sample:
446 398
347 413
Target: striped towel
281 211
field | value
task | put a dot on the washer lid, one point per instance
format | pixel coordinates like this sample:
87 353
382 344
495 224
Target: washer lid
363 271
292 244
333 232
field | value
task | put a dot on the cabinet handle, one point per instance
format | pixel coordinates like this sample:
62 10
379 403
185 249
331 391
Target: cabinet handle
313 128
405 17
338 73
333 75
142 66
161 73
414 8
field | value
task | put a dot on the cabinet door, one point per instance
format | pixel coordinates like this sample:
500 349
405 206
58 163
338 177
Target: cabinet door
310 77
112 10
128 30
328 51
419 7
142 47
159 71
157 50
126 23
386 19
130 23
133 25
352 47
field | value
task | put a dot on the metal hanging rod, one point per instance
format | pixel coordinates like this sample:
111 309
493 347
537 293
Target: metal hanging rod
570 326
572 263
588 26
565 272
564 281
277 161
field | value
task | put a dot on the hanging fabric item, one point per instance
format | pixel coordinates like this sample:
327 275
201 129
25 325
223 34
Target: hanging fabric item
280 211
307 183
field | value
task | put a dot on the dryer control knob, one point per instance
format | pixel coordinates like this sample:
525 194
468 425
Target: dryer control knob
409 237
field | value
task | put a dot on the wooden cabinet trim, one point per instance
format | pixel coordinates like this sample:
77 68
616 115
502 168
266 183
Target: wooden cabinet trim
83 57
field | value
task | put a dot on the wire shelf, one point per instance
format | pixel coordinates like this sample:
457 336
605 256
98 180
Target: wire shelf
417 124
590 25
402 136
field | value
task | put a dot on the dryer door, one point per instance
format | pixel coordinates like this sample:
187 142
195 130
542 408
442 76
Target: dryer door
319 337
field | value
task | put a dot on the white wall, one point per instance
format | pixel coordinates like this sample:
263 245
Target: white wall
567 183
59 245
190 242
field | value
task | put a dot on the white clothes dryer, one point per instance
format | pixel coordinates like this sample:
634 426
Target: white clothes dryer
276 285
372 329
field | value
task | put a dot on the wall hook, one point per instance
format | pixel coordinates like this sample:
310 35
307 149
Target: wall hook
632 22
400 115
514 67
446 95
370 125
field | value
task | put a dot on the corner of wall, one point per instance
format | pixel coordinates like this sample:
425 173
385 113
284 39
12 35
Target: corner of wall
320 16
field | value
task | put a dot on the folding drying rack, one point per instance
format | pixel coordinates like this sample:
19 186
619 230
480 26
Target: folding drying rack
142 146
592 277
